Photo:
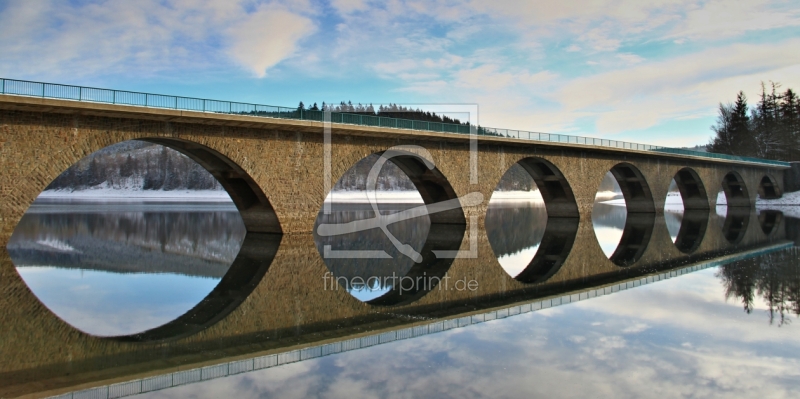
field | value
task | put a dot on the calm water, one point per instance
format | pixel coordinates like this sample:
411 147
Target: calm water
122 268
725 331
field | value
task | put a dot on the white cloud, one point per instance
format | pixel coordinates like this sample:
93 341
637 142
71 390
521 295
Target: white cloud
349 6
266 37
51 39
643 95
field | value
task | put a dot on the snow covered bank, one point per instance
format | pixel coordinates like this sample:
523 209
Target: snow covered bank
518 196
115 194
360 197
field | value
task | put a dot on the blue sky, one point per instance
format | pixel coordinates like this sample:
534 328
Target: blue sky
649 72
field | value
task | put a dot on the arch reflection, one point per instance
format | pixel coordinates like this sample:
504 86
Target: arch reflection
138 242
532 220
770 221
686 210
623 208
407 186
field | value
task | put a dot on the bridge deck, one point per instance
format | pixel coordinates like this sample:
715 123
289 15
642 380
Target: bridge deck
51 97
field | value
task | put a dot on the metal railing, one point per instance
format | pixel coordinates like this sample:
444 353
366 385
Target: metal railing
122 97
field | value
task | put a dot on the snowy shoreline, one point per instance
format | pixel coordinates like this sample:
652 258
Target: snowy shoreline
673 199
106 194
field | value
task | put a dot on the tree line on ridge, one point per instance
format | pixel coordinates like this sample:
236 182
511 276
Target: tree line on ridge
769 130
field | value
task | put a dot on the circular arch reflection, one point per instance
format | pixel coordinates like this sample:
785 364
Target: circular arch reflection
371 263
76 234
736 208
770 221
686 210
629 214
532 229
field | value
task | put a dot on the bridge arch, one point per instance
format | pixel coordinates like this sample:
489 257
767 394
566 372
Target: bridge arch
445 234
254 258
735 189
693 192
770 220
640 214
561 226
257 250
257 212
695 214
768 188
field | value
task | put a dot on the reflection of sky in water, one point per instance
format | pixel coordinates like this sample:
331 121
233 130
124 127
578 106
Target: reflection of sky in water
368 293
673 220
673 210
609 214
609 223
672 339
109 304
515 263
515 224
120 269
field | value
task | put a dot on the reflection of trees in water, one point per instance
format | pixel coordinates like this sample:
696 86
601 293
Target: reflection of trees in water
512 227
130 241
413 232
774 277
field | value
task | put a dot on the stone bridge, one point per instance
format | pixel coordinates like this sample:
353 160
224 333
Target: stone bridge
273 170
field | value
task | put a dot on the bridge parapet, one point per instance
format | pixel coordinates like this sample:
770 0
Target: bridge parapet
161 101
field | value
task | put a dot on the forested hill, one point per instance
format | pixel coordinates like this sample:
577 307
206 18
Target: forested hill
389 111
136 165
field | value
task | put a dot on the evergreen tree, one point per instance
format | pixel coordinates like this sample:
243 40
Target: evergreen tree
789 112
734 135
95 175
769 140
127 168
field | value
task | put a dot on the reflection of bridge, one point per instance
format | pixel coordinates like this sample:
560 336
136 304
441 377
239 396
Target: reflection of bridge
273 170
289 318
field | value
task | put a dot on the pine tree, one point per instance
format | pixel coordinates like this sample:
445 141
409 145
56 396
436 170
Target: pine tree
789 115
127 168
769 139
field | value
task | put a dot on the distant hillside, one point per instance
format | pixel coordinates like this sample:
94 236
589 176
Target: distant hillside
133 165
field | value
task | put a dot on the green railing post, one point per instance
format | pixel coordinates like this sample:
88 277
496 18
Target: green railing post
176 102
113 97
80 94
4 86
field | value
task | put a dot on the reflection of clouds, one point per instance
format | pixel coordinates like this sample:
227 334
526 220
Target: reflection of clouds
608 238
609 223
515 263
612 346
109 304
